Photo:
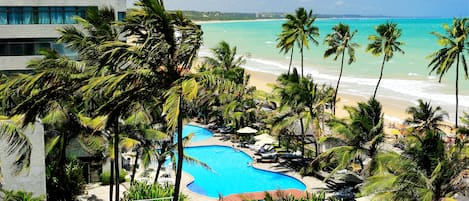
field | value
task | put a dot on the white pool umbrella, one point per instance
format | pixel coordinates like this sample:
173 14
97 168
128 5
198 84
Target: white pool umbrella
265 139
247 130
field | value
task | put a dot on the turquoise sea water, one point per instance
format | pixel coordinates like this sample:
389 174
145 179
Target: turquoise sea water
231 173
406 77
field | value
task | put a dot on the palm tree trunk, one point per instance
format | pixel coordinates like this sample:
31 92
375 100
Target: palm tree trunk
291 59
134 171
180 153
313 116
158 169
380 76
301 50
302 138
111 180
338 82
457 89
116 158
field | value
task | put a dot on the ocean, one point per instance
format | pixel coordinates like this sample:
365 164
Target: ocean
406 76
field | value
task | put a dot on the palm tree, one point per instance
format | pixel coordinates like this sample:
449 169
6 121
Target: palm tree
416 175
98 26
224 57
452 52
18 143
299 28
145 69
305 100
424 117
339 41
465 129
385 43
285 46
359 136
185 91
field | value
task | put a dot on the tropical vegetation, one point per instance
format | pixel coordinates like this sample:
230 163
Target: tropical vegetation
385 43
135 95
454 43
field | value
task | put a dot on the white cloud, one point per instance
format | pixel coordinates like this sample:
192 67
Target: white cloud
339 3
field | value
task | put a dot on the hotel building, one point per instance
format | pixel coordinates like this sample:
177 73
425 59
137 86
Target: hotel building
26 26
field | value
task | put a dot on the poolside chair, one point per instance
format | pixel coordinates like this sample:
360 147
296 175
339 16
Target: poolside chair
266 148
291 155
268 157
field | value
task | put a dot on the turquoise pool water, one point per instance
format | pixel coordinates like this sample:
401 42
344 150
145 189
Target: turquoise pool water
231 173
199 133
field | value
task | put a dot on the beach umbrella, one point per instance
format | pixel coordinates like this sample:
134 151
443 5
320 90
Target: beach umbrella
265 139
246 130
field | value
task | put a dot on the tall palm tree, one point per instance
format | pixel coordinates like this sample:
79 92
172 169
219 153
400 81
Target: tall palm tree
454 44
164 47
424 117
224 57
305 100
285 46
185 91
385 43
338 42
299 28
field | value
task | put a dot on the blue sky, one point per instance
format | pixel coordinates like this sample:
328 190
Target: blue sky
409 8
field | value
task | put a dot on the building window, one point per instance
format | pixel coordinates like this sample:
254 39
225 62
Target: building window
120 16
30 47
41 15
3 15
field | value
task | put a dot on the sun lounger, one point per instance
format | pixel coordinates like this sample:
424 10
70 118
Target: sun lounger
268 157
296 154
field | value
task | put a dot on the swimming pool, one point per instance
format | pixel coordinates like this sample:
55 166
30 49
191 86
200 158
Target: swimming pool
231 173
199 132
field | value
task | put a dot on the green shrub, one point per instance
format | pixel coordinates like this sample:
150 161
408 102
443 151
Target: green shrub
139 191
7 195
105 177
64 183
320 196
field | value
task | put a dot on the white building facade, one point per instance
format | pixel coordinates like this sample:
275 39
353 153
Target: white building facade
27 26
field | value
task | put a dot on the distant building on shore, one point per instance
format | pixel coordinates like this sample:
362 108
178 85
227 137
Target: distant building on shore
27 26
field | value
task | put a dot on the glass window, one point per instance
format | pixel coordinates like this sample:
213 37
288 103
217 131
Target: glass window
81 11
27 15
3 15
120 16
34 15
14 15
70 12
56 15
3 49
16 49
44 17
28 48
41 46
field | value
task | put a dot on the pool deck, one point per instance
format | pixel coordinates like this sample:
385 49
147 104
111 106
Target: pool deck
312 184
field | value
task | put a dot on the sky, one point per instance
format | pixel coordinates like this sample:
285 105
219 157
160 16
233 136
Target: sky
397 8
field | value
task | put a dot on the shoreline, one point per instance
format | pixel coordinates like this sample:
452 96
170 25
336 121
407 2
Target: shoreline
234 21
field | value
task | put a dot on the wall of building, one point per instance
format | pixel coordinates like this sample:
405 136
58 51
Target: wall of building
41 31
119 5
33 180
